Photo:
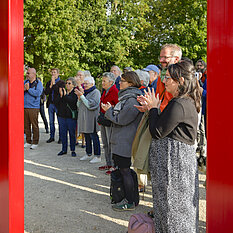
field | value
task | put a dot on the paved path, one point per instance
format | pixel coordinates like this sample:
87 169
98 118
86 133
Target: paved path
65 195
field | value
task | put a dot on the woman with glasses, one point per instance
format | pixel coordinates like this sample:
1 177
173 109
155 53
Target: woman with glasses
88 110
67 114
125 119
172 156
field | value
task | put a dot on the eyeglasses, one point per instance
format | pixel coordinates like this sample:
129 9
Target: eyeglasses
122 81
86 83
164 57
68 83
167 77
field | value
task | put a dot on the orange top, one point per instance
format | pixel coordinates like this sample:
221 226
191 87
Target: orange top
163 94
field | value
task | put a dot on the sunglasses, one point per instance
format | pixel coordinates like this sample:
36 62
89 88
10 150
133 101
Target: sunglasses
68 83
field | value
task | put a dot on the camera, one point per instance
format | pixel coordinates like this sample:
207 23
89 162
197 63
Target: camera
197 75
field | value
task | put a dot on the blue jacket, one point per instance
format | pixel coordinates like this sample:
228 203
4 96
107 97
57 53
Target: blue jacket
203 110
117 82
153 85
32 95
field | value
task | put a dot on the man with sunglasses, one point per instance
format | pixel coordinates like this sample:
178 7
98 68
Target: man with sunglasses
52 89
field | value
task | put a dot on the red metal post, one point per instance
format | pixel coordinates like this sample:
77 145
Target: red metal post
11 117
220 127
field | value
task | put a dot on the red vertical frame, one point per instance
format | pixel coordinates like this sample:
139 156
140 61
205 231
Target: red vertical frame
11 117
220 126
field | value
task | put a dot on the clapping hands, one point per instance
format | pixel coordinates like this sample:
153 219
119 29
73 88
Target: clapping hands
106 106
148 101
79 91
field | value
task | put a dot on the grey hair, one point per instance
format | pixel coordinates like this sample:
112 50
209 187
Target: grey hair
72 80
117 68
87 73
144 76
90 79
110 76
81 71
175 49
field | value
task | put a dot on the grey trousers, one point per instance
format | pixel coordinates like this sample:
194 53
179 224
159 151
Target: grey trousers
105 135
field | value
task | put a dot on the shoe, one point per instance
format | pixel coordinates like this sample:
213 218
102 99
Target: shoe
62 153
103 168
108 172
27 145
111 169
59 141
50 140
141 188
33 146
86 157
83 146
73 154
123 206
96 160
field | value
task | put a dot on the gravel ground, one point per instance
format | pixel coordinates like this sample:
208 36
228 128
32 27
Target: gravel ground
66 195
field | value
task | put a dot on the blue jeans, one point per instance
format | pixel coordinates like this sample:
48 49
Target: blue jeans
67 125
89 138
52 110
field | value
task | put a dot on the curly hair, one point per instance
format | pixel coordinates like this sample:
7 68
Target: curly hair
190 87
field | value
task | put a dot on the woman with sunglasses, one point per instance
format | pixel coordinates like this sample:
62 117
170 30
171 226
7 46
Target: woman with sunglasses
67 115
172 157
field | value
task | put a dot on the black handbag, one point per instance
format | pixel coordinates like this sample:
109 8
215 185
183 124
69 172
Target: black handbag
102 120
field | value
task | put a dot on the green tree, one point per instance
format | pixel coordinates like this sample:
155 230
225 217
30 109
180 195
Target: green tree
182 22
49 38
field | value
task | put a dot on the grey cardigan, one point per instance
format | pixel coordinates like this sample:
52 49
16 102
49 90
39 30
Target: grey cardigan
87 115
125 117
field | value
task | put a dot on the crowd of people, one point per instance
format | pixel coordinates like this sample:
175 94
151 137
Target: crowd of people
163 104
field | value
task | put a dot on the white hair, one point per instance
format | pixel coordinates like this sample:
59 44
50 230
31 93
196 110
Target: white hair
144 76
87 73
90 79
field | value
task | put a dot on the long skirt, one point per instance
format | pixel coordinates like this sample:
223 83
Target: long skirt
174 177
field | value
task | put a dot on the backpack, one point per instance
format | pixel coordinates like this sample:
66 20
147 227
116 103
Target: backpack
141 223
117 192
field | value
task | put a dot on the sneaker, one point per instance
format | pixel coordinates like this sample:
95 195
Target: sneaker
26 145
104 168
86 157
96 160
33 146
123 206
111 169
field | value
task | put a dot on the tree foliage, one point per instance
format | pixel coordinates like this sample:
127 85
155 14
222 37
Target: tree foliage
95 34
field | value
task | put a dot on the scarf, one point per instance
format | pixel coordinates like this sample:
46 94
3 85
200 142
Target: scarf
89 90
122 99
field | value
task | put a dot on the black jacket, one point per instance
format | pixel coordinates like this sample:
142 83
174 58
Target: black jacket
54 90
63 110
